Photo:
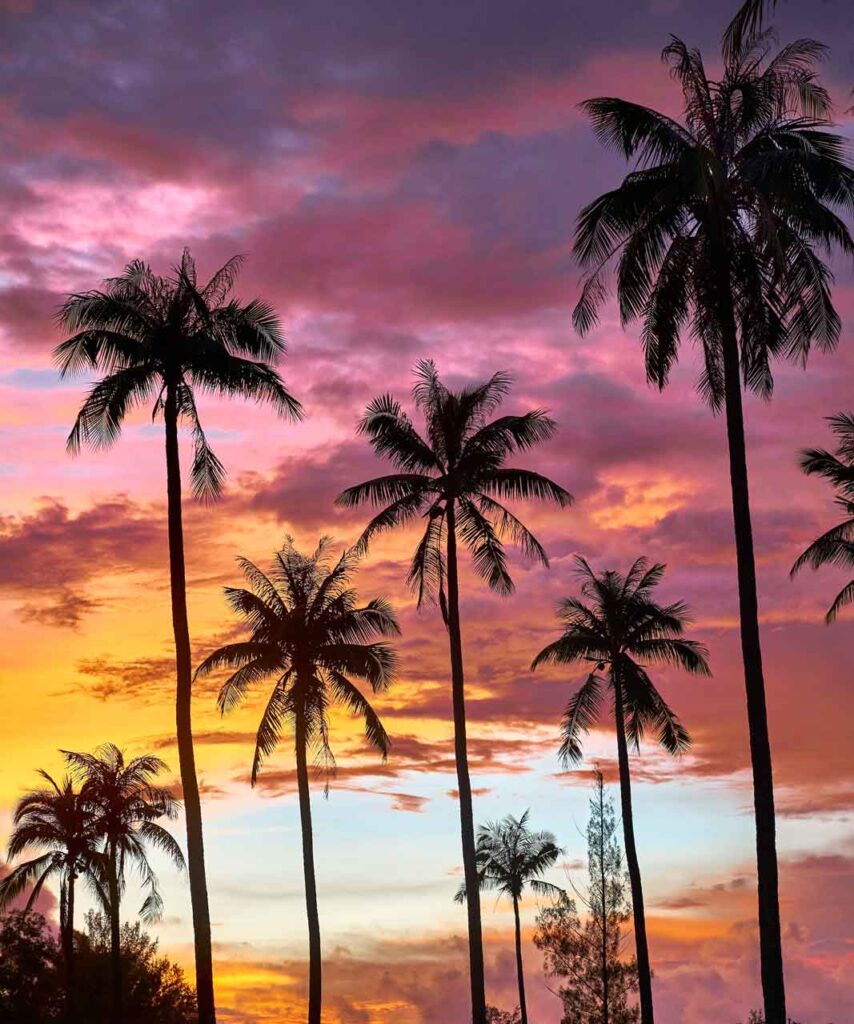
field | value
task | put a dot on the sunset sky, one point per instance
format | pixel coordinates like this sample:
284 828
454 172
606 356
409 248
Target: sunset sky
403 179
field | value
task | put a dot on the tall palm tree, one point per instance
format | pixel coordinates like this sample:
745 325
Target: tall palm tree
453 478
718 232
618 626
126 806
836 546
58 822
510 857
307 632
165 339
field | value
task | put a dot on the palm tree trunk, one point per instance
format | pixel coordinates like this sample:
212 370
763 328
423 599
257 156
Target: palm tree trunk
68 949
476 970
314 955
520 973
644 973
116 1008
183 719
771 950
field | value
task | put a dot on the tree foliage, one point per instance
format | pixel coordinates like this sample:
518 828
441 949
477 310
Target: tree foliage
585 949
836 546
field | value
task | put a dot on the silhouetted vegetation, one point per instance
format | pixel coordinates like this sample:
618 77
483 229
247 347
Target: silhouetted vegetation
309 634
455 478
836 546
511 858
717 232
164 339
618 626
585 950
32 969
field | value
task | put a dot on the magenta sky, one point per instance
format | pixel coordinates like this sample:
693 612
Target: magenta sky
403 178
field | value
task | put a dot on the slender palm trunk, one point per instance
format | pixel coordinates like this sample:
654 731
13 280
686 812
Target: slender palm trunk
68 946
183 719
520 973
644 973
476 971
314 957
770 944
113 892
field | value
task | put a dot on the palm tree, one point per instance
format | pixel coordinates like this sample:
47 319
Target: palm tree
836 547
453 479
510 857
718 232
308 633
167 338
126 806
618 626
58 822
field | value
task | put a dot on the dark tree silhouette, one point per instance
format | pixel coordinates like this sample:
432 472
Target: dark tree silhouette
510 857
600 981
126 806
454 479
56 821
308 633
163 339
836 546
718 232
618 626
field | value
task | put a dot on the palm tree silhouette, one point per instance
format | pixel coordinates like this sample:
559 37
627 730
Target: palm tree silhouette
510 857
453 479
617 625
717 232
164 339
836 547
308 633
126 806
57 821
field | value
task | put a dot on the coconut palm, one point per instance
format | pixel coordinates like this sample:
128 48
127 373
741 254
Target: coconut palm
126 806
510 857
164 340
308 633
454 479
719 232
836 546
56 821
617 625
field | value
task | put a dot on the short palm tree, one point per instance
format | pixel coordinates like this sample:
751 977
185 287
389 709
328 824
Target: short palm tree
719 232
510 857
56 821
454 479
836 547
309 634
163 340
126 806
618 626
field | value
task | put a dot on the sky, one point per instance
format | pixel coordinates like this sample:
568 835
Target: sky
403 179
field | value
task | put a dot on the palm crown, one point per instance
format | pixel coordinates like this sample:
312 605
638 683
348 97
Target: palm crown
154 335
126 805
836 546
745 187
510 857
57 821
457 468
309 633
618 626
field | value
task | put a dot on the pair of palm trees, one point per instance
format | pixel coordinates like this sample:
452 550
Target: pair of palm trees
96 833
